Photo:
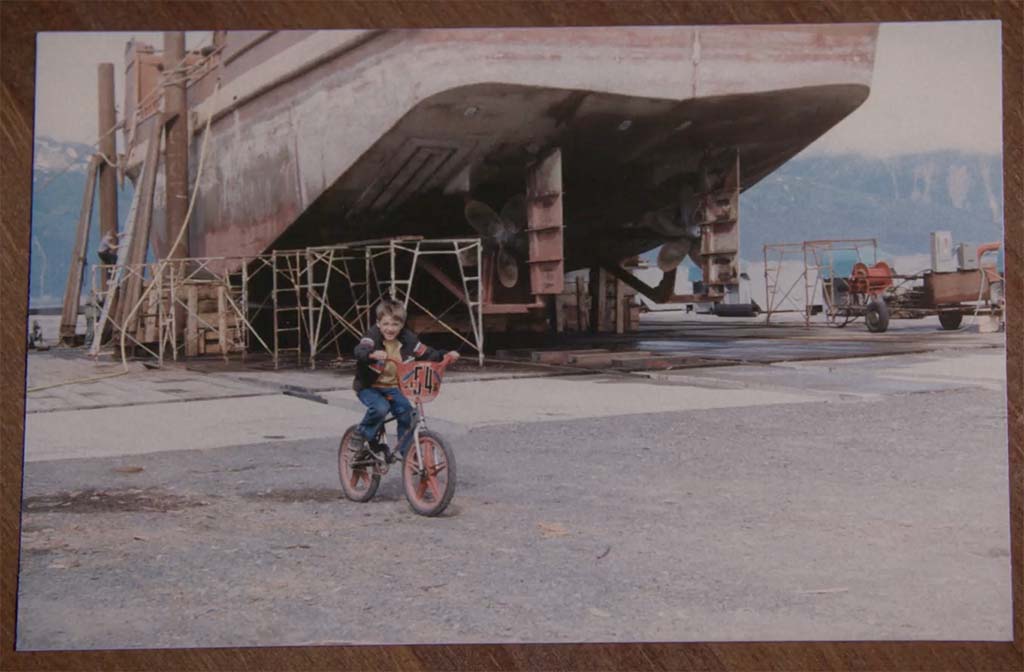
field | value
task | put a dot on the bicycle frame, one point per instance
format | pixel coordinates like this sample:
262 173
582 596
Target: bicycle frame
418 381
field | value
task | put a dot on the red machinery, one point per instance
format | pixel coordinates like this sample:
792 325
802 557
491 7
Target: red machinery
870 280
877 293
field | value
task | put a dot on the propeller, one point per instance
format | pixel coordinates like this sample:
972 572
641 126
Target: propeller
501 233
680 227
672 253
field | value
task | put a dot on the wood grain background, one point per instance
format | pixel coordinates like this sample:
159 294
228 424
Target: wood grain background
21 20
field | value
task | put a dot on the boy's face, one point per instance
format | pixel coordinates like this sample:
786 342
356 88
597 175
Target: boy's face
389 326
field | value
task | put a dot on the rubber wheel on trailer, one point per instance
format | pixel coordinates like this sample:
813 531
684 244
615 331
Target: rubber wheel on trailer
876 316
429 486
951 321
359 482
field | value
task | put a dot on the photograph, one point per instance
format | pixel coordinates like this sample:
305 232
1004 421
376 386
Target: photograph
674 333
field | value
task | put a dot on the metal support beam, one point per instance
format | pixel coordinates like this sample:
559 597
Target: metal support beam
445 281
664 292
544 224
720 222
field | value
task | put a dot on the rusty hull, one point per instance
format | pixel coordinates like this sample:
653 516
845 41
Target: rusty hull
328 136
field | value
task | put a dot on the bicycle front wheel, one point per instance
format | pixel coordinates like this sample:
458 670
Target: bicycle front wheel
359 481
428 475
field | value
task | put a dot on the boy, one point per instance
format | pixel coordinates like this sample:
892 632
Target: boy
376 380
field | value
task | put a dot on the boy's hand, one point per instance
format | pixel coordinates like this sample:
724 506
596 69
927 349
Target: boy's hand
452 356
379 355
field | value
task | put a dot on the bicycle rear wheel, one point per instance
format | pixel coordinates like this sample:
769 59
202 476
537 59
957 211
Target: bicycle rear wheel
429 483
356 472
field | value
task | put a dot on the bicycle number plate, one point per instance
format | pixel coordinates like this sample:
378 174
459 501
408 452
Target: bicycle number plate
421 381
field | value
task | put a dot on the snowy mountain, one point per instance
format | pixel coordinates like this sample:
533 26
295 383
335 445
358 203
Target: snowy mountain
51 157
899 201
58 183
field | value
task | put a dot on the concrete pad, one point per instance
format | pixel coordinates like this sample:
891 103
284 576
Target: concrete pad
560 356
663 362
821 379
179 426
626 357
980 366
532 400
605 358
984 369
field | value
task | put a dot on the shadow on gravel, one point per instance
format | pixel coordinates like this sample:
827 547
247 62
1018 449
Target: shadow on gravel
286 496
108 501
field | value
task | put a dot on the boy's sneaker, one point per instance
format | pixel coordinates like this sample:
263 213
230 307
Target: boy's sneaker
379 451
356 443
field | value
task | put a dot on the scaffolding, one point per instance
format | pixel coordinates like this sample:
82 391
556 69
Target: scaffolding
818 267
186 305
345 281
202 305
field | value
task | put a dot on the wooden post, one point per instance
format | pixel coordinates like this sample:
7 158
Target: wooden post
192 322
150 331
137 231
222 321
73 288
620 307
580 324
175 120
176 145
107 150
598 299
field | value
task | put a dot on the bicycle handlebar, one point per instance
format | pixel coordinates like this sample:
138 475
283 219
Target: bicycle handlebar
420 379
445 362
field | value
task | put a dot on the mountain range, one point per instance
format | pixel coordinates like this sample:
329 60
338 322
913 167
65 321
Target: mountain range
58 182
897 200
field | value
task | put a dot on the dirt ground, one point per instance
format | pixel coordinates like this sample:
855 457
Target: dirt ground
842 518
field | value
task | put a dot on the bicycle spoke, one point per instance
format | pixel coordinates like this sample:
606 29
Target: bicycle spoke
434 488
428 476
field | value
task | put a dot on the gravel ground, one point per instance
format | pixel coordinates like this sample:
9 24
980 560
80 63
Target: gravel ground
843 520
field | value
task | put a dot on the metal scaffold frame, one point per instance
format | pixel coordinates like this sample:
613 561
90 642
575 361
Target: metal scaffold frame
357 268
287 297
303 297
171 292
818 263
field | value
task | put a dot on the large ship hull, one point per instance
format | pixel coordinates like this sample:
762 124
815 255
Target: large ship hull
330 136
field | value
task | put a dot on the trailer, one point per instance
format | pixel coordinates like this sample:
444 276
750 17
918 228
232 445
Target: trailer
877 293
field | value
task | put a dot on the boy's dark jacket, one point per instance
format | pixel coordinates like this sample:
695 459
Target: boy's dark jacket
368 370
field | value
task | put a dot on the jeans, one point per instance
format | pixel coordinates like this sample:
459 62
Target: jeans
378 401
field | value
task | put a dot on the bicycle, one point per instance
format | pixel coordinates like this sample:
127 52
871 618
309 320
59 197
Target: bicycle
428 468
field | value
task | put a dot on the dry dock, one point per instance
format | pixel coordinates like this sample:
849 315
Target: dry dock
797 484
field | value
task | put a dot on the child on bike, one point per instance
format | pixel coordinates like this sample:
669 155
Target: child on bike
376 380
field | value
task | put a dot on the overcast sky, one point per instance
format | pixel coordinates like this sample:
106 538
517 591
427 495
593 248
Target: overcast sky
935 86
